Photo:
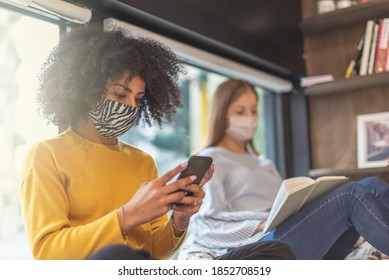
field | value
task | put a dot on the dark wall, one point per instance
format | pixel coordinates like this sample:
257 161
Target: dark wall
267 29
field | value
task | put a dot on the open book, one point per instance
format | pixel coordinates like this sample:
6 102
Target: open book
296 192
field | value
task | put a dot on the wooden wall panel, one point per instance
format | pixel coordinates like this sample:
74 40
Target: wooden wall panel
333 125
330 52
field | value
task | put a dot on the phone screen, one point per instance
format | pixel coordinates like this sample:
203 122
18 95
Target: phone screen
197 165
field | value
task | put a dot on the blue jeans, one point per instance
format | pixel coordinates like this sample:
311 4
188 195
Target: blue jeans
328 227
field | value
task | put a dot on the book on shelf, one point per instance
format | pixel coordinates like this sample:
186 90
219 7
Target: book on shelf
366 47
372 52
386 67
382 46
352 68
313 80
297 192
357 66
373 48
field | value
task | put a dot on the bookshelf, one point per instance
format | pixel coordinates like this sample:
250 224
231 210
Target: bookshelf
351 85
330 40
357 13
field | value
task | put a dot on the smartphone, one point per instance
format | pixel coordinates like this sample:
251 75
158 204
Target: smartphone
197 165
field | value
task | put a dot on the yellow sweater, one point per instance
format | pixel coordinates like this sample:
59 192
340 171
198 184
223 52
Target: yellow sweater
71 190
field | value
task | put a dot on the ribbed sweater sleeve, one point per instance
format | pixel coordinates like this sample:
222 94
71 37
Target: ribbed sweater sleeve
238 199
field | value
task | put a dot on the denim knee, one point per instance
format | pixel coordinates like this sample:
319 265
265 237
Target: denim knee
375 183
374 180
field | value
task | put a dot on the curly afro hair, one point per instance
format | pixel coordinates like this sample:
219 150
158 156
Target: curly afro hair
74 76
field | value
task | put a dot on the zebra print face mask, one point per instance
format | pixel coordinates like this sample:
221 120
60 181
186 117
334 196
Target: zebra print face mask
112 119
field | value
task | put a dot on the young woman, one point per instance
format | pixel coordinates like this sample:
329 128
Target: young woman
84 190
245 184
84 193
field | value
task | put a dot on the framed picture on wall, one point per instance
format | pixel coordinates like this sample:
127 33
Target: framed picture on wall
373 140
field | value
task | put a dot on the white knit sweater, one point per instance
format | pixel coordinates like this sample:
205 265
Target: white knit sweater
238 198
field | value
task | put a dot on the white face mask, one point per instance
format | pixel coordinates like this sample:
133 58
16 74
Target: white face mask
242 128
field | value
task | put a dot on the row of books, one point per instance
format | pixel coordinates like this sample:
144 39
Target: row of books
372 52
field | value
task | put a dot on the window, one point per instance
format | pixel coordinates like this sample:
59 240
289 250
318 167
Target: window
24 44
174 143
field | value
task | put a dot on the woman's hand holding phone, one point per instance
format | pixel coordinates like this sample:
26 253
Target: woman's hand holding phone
202 168
155 198
198 166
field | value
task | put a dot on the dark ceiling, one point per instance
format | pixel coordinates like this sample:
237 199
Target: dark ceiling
268 29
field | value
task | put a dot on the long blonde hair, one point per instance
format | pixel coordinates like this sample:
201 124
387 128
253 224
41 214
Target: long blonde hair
225 94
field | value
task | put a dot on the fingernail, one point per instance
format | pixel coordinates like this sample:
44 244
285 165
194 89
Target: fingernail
185 164
193 177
